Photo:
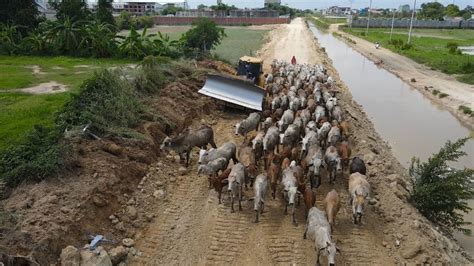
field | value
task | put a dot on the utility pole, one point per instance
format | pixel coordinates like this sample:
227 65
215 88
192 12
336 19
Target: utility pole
350 13
368 19
411 21
393 20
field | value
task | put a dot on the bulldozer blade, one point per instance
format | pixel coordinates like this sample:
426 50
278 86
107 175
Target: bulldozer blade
233 90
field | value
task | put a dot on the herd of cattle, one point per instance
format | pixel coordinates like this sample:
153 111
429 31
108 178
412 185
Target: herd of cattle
301 131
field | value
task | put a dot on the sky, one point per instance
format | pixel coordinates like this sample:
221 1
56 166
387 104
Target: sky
311 4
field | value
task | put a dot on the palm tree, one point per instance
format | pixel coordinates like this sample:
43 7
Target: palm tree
35 42
9 37
136 45
99 38
65 35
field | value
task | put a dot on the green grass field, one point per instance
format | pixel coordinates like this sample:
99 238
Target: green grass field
431 51
19 111
239 41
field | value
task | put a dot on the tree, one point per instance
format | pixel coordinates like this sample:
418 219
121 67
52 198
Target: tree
222 6
125 21
20 13
98 39
204 36
104 12
467 12
452 11
9 39
171 10
202 7
75 10
439 191
432 10
65 35
164 46
136 45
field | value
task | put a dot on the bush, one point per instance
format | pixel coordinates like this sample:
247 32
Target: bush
435 92
439 191
125 21
466 110
443 95
145 22
38 157
204 36
151 78
106 101
452 47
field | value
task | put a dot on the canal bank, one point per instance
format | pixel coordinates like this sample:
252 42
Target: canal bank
410 123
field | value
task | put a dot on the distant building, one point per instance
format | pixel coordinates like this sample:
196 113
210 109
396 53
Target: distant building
404 8
337 10
141 7
274 2
238 13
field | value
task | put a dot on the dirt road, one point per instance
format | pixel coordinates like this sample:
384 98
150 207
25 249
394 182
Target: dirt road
191 228
427 80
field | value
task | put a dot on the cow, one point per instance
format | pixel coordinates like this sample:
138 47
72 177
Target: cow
357 166
359 190
290 191
336 113
274 174
271 139
334 135
310 139
286 120
309 198
226 150
220 182
248 124
260 189
247 158
277 114
257 144
323 133
345 130
332 205
333 163
319 230
344 152
312 164
236 181
291 135
319 113
266 124
185 141
212 168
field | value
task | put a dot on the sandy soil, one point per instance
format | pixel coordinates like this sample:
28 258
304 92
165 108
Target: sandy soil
426 80
45 88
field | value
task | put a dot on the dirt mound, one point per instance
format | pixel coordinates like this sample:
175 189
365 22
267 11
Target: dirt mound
92 196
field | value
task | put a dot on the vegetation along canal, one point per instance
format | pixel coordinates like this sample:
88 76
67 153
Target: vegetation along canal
403 117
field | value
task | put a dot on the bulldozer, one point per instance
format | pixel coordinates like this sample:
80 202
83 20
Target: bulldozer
242 90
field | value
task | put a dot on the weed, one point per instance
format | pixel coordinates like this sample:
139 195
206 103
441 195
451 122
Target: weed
435 92
443 95
466 110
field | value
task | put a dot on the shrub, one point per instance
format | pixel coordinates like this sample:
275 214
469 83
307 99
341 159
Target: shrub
106 101
439 191
145 22
204 36
452 47
466 110
435 92
125 21
443 95
38 157
150 78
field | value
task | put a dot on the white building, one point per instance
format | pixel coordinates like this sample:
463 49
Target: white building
151 5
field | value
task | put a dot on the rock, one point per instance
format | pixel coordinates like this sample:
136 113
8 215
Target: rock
70 256
416 224
112 217
119 226
112 148
159 194
115 221
372 201
64 210
128 242
396 178
411 251
149 217
131 202
384 243
132 212
99 257
132 251
172 179
99 201
160 183
182 170
117 254
389 219
159 164
413 80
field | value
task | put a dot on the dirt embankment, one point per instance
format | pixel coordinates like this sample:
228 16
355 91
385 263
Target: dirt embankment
419 77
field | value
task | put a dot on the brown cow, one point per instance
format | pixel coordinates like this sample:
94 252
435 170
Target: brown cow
345 129
247 157
274 175
285 164
309 198
331 206
345 153
219 182
296 153
277 114
285 152
311 105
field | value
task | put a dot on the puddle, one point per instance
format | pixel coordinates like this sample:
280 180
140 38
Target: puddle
402 116
46 88
469 50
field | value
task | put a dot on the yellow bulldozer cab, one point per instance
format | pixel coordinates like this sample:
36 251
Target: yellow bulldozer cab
251 68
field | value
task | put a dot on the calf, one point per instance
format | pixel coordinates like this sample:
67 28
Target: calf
357 166
333 162
274 174
334 135
247 158
344 152
257 144
309 199
212 168
248 124
260 189
226 150
319 230
188 139
219 182
359 190
236 181
332 205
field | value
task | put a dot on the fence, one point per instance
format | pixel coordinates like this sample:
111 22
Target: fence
159 20
405 23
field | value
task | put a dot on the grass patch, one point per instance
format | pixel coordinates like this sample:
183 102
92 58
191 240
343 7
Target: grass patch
320 24
435 92
436 52
466 110
14 77
443 95
240 42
